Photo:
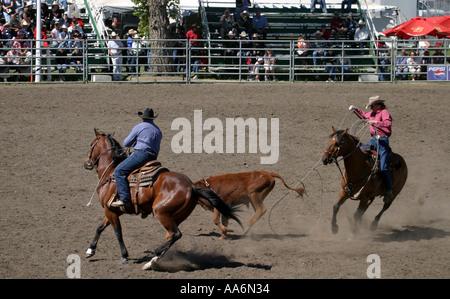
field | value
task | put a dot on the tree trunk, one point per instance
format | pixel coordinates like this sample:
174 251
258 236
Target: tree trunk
158 21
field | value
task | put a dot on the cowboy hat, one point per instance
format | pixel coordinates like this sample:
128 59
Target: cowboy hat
374 100
243 34
147 114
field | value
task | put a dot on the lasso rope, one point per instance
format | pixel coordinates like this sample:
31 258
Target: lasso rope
314 168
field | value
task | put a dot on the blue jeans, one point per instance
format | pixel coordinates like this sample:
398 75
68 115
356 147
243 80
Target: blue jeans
383 151
137 159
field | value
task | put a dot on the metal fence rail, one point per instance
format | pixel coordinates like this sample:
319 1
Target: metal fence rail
224 60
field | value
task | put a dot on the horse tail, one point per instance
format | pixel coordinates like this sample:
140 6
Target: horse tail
218 202
300 190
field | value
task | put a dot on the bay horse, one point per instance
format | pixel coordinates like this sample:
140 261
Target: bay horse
359 177
172 198
242 188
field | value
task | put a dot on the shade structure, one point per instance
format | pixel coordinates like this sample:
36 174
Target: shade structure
418 26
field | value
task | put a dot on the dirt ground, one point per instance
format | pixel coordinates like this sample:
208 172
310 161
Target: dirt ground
45 135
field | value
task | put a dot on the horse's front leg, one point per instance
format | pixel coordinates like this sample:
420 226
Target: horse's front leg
342 198
91 250
364 203
114 220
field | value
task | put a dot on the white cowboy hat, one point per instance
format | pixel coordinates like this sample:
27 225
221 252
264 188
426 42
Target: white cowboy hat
374 100
243 34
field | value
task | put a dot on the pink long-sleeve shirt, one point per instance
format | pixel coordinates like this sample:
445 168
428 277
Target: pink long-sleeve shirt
383 118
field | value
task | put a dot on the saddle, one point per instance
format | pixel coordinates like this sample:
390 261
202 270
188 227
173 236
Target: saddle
143 177
372 156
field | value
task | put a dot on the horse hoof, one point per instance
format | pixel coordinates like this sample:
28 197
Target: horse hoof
149 265
334 229
123 261
90 252
374 225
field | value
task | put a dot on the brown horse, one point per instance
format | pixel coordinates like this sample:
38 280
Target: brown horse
242 188
172 198
359 177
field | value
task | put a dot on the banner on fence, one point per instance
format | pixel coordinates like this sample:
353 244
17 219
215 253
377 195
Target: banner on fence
438 73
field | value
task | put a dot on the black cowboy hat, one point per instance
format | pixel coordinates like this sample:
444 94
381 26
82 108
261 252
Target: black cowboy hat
147 114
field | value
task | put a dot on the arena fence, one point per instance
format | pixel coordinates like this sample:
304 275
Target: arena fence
225 61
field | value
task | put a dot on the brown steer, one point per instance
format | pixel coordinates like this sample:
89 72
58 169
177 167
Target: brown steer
241 188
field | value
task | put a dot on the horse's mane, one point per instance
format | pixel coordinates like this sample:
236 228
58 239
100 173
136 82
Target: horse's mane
340 134
118 153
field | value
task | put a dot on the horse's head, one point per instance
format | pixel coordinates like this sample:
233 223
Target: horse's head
103 144
337 146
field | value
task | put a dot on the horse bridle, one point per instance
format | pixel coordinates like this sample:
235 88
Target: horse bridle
90 165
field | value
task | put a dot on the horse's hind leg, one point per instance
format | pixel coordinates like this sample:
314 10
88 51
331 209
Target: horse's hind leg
173 234
386 206
91 250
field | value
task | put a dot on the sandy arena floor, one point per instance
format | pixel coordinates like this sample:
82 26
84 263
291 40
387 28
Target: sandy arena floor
45 135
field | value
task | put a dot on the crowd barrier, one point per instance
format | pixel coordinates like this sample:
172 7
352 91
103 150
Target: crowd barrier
185 61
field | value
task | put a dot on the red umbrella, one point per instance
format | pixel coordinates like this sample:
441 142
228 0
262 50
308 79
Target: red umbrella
418 26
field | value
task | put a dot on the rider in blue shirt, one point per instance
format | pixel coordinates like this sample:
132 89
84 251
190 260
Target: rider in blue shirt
146 138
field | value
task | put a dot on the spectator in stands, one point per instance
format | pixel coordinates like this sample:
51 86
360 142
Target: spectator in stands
77 58
45 14
230 46
319 47
338 29
131 55
115 52
303 49
193 35
13 57
19 5
438 56
423 45
325 34
259 24
23 46
322 4
64 34
350 25
56 35
178 51
413 65
244 45
245 23
65 20
347 3
257 47
254 69
14 21
56 12
361 35
330 64
226 22
269 64
30 12
8 34
241 5
73 30
61 62
8 9
402 65
384 60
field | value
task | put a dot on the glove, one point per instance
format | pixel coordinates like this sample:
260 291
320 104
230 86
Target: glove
351 107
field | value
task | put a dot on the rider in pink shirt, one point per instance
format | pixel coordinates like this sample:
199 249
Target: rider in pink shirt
379 118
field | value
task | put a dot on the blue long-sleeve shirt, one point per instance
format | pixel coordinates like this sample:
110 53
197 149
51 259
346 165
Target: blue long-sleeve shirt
145 136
